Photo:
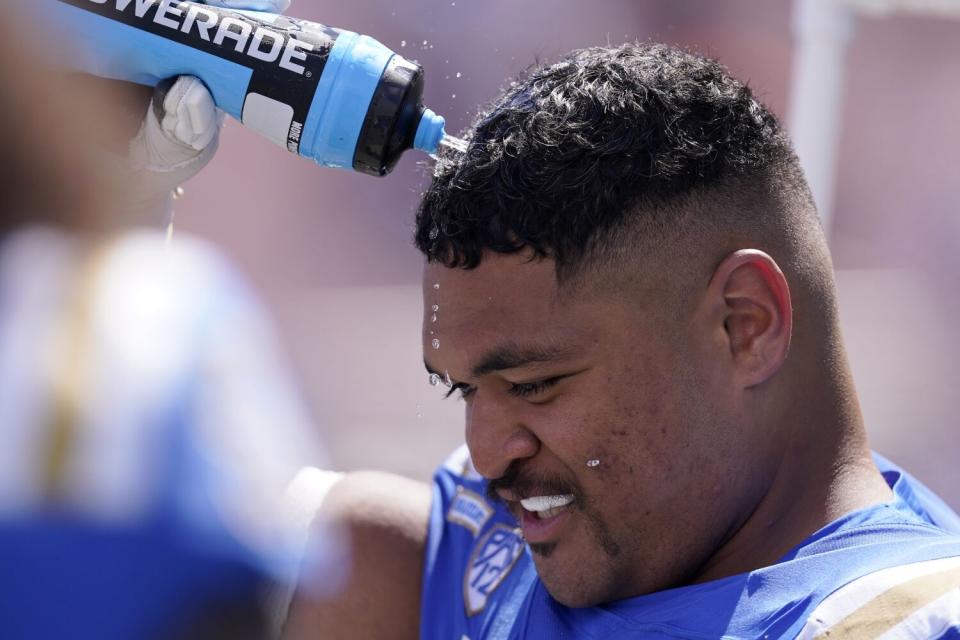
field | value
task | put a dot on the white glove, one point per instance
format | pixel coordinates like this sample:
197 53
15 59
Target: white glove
168 150
179 136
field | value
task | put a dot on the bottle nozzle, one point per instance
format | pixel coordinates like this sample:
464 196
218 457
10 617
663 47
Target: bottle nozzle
429 132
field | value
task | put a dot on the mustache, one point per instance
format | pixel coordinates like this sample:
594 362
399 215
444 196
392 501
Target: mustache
525 484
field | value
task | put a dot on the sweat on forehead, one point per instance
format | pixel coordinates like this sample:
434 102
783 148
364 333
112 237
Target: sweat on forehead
504 314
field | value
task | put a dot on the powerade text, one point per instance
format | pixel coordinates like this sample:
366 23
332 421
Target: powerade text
254 40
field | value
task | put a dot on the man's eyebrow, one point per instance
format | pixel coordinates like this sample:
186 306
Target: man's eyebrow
512 356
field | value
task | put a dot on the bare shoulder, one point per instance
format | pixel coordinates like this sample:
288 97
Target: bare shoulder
386 518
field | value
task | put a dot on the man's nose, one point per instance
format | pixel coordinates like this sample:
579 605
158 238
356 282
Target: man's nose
496 435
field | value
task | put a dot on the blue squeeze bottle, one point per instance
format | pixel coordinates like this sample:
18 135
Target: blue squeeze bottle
337 97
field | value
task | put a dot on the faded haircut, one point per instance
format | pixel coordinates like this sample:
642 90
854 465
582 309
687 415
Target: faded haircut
614 150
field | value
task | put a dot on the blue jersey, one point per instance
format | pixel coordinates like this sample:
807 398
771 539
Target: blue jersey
148 430
890 570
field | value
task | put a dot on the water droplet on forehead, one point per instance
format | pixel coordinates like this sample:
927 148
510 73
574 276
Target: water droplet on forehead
435 307
433 318
434 379
435 343
436 285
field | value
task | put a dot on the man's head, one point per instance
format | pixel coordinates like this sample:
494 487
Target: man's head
615 269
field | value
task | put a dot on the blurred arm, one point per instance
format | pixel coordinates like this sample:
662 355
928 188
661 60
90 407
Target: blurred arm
386 518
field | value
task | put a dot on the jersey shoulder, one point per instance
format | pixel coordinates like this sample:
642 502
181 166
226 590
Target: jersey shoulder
908 602
476 565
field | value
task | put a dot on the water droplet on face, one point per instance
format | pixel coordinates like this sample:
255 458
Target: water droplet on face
433 318
446 379
403 43
593 463
424 43
459 74
435 343
435 307
434 379
436 285
453 95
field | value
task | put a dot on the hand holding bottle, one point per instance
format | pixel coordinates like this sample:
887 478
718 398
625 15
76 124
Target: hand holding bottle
335 96
179 135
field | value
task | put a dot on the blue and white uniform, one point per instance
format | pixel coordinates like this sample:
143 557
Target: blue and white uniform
149 429
887 571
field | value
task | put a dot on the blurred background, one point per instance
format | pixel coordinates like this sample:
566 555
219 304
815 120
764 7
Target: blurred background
330 251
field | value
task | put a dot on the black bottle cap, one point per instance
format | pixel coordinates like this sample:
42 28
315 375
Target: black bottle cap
390 125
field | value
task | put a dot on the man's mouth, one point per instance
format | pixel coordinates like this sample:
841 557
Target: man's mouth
546 506
541 505
543 517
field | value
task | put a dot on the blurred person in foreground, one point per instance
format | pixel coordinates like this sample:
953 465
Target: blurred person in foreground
627 285
148 425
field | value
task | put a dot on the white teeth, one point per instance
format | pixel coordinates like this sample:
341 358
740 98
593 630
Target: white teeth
542 504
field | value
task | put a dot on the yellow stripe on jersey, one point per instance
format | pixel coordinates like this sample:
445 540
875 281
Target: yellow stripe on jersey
68 377
893 606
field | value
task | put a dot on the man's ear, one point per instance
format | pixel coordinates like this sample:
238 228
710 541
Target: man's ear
749 294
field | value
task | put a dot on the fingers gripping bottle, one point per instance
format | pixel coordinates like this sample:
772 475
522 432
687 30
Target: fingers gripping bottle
337 97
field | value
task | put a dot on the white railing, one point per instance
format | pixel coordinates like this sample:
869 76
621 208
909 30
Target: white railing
822 29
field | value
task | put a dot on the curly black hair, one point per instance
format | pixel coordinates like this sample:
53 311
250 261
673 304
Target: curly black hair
578 150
